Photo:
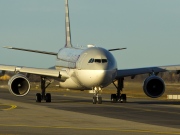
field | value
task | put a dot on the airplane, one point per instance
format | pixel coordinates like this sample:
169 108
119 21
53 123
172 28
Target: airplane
91 68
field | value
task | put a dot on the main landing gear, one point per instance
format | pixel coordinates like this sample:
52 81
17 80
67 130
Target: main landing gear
43 95
97 97
119 97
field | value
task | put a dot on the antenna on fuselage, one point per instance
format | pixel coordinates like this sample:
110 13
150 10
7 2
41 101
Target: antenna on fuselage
68 29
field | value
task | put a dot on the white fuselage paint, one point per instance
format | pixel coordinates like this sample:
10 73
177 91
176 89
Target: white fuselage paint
83 74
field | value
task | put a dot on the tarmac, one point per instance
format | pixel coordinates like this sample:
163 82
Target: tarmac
72 112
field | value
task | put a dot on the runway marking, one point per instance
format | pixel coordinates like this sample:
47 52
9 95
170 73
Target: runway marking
97 129
10 107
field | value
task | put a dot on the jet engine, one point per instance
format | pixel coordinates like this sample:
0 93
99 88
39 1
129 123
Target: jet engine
19 85
154 86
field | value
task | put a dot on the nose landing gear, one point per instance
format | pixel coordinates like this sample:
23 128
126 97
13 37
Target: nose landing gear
97 96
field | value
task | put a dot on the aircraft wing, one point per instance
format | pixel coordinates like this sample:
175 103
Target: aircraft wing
150 70
62 74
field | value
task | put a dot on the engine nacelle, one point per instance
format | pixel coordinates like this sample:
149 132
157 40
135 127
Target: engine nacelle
19 85
154 86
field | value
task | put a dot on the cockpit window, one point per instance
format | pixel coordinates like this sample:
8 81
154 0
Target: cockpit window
92 60
104 60
97 60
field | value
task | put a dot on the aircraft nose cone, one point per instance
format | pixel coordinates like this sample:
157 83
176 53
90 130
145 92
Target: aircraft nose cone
93 78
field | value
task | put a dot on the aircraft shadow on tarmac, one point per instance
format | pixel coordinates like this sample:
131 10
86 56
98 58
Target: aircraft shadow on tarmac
156 102
109 102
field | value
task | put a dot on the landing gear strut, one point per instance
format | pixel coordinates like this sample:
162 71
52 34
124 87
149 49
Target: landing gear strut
43 95
97 97
119 97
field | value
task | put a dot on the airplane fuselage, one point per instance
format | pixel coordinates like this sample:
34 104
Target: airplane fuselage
87 68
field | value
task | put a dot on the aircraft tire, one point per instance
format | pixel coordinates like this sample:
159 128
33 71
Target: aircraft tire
94 100
48 97
38 97
123 98
99 100
113 98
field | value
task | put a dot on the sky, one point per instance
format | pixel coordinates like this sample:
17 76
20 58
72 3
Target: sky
150 29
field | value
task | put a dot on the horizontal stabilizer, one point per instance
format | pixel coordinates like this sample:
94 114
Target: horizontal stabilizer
28 50
116 49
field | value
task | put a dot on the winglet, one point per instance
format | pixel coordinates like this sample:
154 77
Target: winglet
68 29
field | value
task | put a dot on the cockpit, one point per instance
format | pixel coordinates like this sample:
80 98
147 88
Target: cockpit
92 60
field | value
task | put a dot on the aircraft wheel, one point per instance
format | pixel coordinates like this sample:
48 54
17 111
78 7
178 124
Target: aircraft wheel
38 97
48 97
113 98
94 100
123 98
99 100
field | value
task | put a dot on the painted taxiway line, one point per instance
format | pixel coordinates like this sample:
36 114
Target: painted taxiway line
10 107
97 129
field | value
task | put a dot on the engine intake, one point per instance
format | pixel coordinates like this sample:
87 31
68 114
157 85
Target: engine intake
19 85
154 86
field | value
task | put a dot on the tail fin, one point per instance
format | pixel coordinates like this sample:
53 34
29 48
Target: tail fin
68 29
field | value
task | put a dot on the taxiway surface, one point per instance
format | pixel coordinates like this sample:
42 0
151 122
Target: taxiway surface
74 113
